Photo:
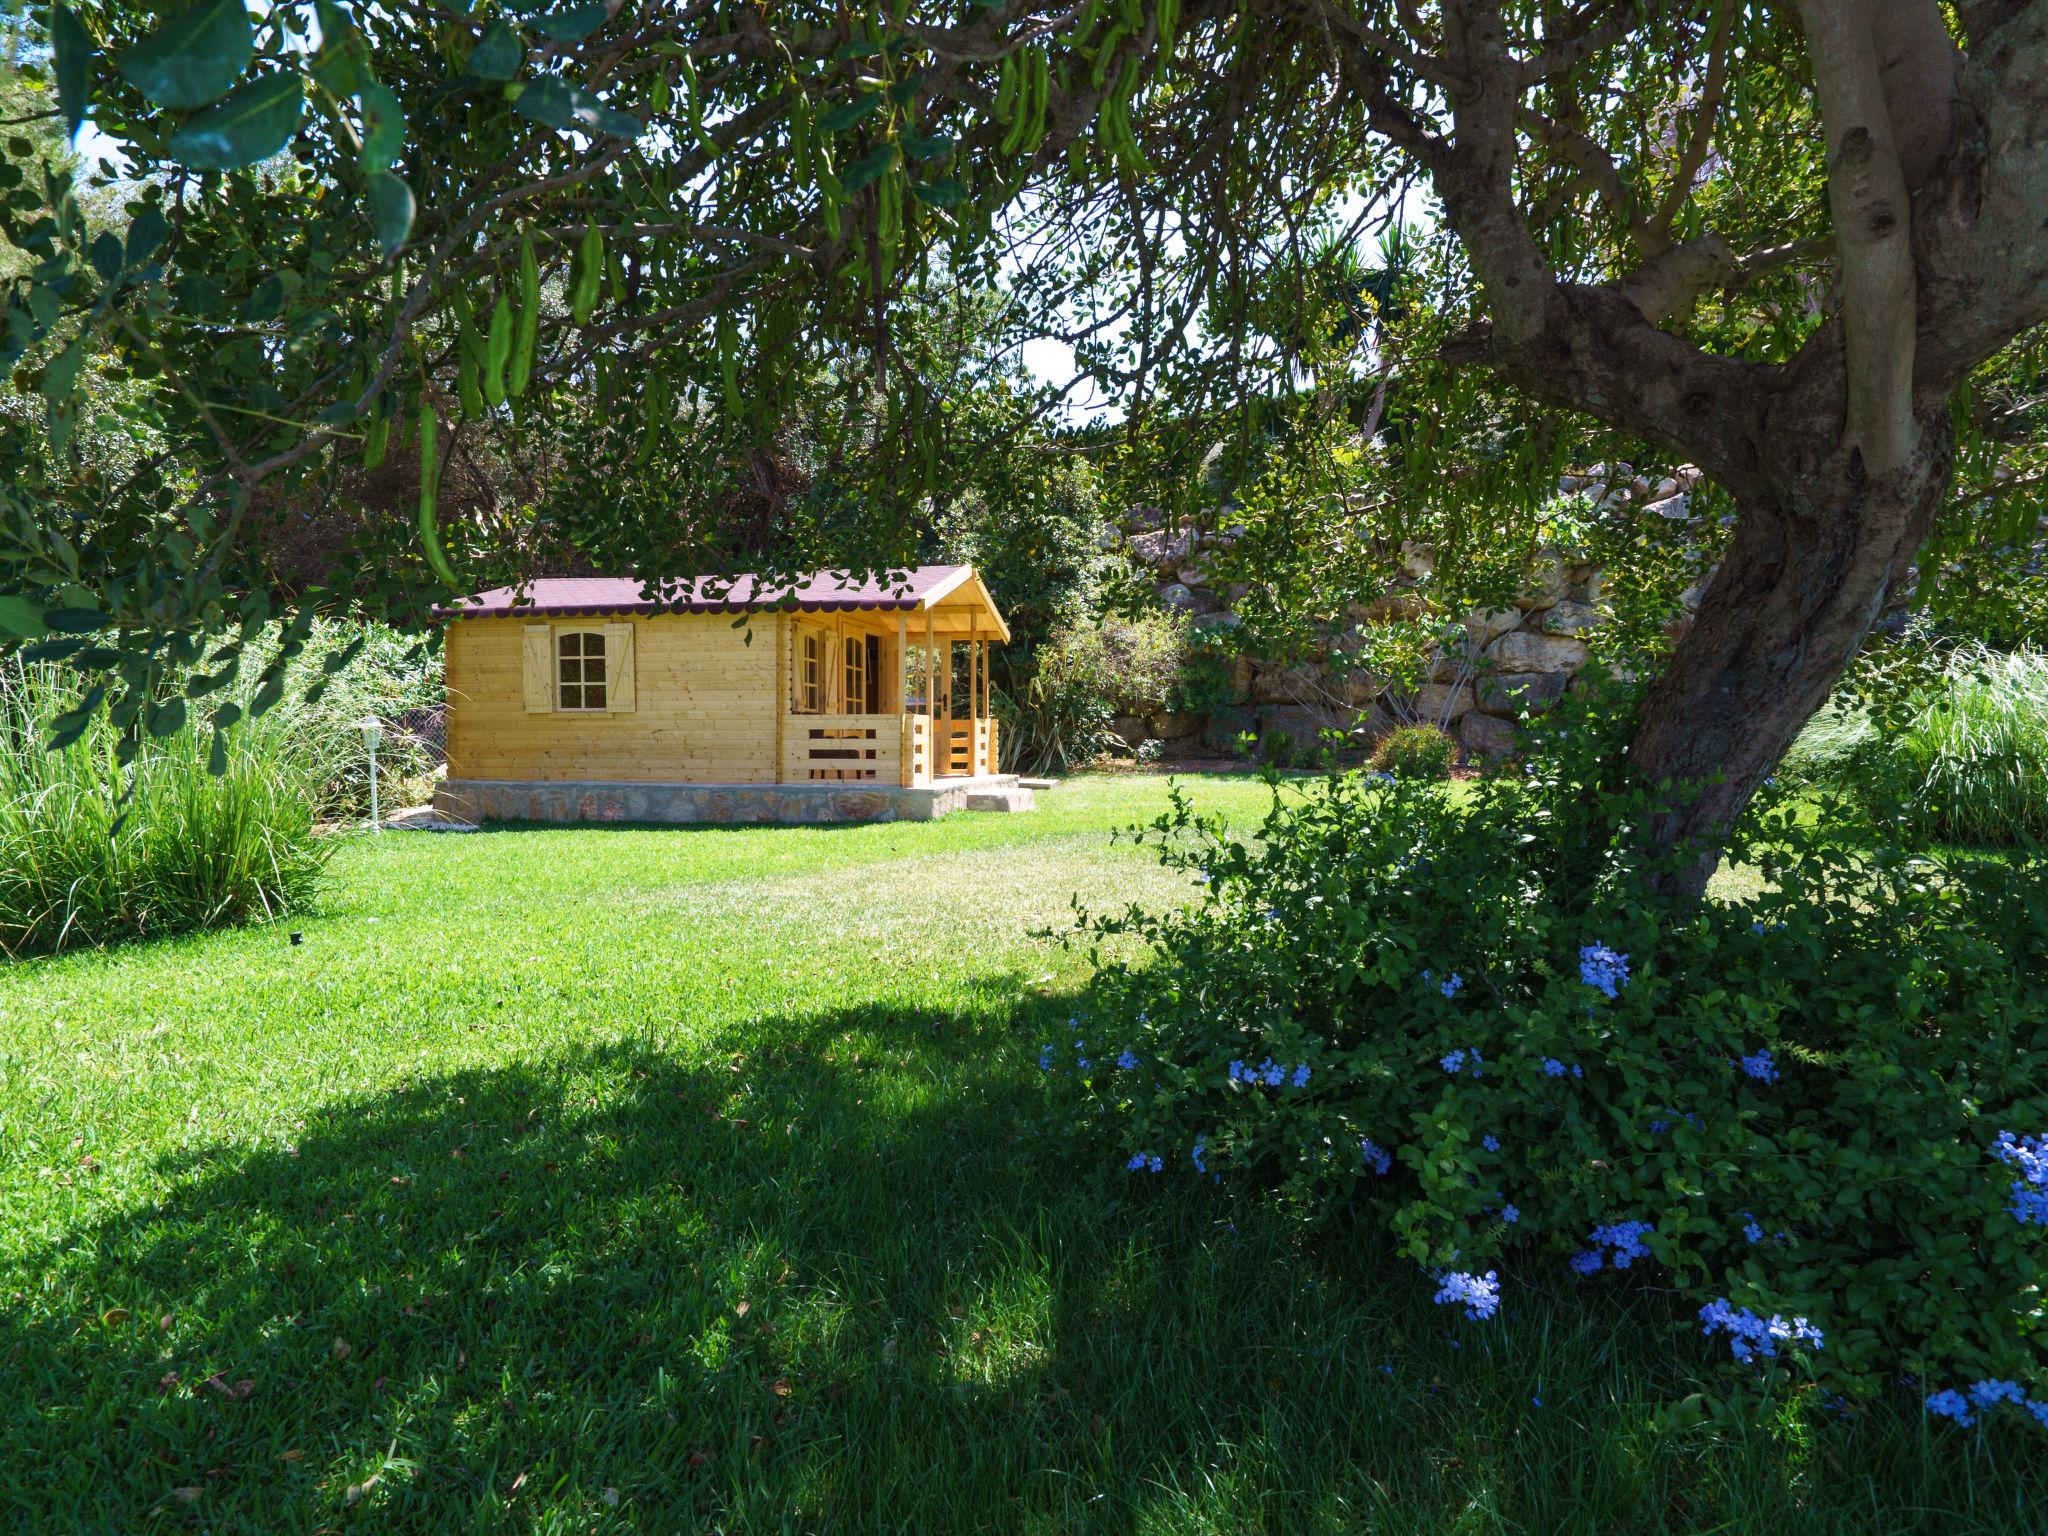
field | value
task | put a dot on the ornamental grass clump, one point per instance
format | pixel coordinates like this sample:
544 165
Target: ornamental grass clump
189 849
1817 1112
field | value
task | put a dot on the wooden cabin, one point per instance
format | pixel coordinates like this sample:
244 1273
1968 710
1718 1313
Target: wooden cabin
590 697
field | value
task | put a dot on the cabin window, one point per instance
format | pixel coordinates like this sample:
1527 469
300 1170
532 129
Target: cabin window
854 666
810 677
580 678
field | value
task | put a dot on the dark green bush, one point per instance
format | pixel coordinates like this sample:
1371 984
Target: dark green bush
1469 1019
1415 752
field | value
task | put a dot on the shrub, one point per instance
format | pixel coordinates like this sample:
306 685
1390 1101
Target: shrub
1085 674
190 849
1415 752
1815 1111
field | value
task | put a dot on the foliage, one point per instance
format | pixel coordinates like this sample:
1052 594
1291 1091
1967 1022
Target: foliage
198 845
1951 742
1415 752
1466 1018
1085 676
728 1206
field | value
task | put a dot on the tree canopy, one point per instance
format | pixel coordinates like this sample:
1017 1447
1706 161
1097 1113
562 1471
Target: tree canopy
565 276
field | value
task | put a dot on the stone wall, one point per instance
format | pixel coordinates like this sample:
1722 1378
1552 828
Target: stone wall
1521 657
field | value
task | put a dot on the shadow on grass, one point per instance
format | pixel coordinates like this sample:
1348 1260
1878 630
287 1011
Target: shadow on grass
846 1284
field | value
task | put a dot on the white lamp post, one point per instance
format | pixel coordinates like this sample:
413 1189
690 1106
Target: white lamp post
373 732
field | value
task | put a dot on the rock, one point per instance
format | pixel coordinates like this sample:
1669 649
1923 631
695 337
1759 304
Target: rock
1484 736
1675 508
1399 604
1286 685
1509 693
1192 576
1175 595
1235 593
1585 587
1569 618
1130 728
1668 486
1438 704
1489 625
1238 686
1303 728
1521 651
1544 584
1206 627
1221 731
1144 517
1416 560
1162 548
1689 599
1169 725
1355 688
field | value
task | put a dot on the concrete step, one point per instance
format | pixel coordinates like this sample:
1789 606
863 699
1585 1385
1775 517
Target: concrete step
1004 800
1038 783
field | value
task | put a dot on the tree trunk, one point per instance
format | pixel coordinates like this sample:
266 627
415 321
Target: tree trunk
1815 551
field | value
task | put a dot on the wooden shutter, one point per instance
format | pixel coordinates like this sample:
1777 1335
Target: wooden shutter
618 658
537 647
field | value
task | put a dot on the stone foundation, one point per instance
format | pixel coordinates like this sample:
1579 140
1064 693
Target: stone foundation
716 804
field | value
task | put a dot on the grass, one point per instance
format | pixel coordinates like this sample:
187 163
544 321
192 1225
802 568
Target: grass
189 850
1969 765
694 1180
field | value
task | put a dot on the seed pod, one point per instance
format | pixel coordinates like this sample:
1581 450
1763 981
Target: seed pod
466 387
430 488
528 337
1006 90
497 348
376 438
589 272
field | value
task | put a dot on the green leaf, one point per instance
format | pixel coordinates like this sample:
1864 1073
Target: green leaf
75 621
870 167
939 194
383 127
927 146
555 103
338 66
105 255
567 23
73 48
21 616
391 209
62 373
145 234
498 53
253 124
165 718
847 113
194 57
217 756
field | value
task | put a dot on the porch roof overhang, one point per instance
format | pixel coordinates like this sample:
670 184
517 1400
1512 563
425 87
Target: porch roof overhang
954 596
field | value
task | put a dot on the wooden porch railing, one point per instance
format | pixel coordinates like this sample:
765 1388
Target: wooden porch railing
842 747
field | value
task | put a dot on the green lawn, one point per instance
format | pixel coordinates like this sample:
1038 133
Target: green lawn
694 1180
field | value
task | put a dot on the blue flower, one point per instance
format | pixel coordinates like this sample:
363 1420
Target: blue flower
1602 969
1750 1335
1552 1067
1585 1261
1479 1294
1201 1146
1760 1066
1490 1141
1144 1162
1127 1060
1989 1394
2029 1154
1375 1159
1456 1061
1272 1072
1625 1238
1751 1229
1045 1058
1950 1404
1453 986
1301 1076
1238 1074
1510 1214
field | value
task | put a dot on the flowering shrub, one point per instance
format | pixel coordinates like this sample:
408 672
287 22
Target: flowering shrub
1819 1111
